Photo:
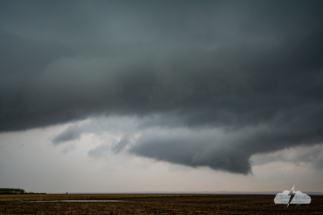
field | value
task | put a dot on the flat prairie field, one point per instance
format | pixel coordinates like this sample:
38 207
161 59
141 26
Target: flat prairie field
152 204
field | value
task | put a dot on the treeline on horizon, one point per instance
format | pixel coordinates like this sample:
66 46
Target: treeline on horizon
11 191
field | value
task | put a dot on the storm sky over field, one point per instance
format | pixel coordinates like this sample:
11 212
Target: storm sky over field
202 93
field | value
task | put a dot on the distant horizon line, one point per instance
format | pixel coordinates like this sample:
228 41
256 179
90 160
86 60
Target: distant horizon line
192 192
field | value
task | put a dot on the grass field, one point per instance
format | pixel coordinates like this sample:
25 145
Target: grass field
154 204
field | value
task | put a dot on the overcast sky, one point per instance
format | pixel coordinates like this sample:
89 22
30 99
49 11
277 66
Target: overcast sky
143 96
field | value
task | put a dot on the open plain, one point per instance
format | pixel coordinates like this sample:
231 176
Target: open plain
153 204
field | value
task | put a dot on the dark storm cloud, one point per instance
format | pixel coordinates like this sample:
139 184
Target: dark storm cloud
202 148
227 65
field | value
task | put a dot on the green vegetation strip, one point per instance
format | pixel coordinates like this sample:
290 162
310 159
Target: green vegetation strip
11 191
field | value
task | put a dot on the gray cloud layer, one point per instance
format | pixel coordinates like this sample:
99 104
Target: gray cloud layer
198 64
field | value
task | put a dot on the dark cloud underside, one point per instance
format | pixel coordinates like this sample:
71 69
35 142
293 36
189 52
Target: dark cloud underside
225 65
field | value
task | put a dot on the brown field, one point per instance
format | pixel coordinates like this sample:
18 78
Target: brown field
154 204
